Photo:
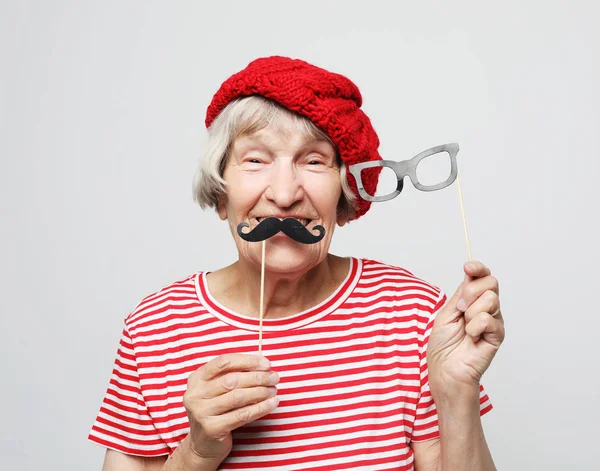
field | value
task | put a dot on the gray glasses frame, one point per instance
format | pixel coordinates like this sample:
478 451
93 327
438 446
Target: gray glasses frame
407 168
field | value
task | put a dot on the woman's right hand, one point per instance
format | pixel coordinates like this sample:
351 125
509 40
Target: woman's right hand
227 392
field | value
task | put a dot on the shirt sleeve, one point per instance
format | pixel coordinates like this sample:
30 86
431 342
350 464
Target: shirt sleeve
123 423
426 419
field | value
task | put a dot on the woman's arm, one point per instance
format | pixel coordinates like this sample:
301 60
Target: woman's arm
462 442
466 334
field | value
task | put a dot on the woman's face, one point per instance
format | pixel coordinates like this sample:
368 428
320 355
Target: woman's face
281 171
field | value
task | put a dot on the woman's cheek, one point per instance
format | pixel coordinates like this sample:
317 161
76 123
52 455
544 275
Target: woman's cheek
247 189
255 183
325 190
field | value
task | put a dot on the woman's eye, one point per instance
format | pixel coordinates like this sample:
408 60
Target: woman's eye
315 161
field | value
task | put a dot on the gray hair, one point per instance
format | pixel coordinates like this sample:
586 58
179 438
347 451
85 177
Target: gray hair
245 116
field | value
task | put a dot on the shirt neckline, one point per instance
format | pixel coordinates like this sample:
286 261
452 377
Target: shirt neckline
294 321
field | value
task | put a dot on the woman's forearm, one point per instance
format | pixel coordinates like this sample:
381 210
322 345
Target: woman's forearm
184 459
462 441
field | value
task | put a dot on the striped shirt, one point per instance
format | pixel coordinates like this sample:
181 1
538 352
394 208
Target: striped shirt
354 391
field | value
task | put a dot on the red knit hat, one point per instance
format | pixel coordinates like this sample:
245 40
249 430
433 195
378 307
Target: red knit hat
330 101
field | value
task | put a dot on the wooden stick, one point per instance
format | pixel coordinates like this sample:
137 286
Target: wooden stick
462 208
262 297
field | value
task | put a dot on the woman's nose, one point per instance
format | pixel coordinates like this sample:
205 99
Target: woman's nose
284 189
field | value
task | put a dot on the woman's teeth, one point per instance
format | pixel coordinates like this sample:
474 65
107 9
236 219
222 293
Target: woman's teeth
304 221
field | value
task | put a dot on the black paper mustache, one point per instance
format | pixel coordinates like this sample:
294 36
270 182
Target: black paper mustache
291 227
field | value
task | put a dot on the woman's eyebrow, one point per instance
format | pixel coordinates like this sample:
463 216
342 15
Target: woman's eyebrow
248 142
322 146
256 138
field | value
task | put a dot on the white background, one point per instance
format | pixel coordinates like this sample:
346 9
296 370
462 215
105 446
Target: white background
102 111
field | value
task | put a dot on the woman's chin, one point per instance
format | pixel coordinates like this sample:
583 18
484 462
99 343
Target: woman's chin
289 257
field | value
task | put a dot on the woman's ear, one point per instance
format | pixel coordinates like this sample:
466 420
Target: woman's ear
342 217
345 211
222 207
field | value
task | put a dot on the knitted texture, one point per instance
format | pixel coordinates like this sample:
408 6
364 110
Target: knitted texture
329 100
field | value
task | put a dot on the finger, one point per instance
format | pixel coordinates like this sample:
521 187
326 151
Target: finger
237 399
472 290
225 423
449 313
456 305
487 302
486 325
233 362
228 382
468 291
476 269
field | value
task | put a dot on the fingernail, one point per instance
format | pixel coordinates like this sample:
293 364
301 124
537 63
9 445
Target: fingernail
273 402
470 266
264 364
272 392
273 378
461 304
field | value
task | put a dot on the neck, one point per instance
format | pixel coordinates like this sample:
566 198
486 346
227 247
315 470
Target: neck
238 287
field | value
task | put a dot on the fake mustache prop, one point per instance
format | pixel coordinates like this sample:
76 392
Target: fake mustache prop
291 227
267 228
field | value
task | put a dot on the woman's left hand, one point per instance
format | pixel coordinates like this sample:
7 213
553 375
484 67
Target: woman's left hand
467 333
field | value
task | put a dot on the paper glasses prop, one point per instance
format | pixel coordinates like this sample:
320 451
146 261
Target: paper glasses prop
409 168
406 168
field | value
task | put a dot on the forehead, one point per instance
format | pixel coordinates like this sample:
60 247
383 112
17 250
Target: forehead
285 130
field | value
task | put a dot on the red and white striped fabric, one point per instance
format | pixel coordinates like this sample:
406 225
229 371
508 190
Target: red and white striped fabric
353 389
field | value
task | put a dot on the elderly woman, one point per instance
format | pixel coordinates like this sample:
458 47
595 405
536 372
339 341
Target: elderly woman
354 372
